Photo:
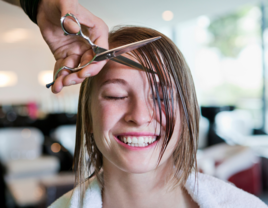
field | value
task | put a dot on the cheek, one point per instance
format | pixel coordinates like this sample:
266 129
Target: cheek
156 113
102 117
176 132
177 128
103 121
105 117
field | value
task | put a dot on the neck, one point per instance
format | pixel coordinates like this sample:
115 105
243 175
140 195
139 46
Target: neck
149 189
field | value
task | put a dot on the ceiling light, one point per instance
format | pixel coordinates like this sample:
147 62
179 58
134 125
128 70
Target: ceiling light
8 78
167 15
15 35
45 77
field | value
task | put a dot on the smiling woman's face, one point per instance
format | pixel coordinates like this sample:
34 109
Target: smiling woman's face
125 127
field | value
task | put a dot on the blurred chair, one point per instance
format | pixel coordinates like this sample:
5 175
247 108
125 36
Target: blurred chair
234 126
203 132
66 135
20 153
237 127
236 164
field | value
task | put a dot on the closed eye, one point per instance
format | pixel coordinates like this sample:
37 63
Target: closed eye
161 99
115 98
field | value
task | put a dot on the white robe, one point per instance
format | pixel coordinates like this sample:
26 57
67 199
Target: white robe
209 193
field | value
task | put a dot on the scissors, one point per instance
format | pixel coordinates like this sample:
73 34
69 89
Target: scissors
102 54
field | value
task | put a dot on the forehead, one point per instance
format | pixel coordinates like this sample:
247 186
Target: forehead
115 71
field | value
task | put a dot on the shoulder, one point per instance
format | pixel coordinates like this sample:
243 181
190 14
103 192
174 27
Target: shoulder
92 198
208 192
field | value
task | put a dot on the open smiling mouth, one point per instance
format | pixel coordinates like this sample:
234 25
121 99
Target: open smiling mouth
138 141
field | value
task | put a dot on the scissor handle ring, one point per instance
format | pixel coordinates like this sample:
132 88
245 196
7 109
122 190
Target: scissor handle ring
62 19
79 33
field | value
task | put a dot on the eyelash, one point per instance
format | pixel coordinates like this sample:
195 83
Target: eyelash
161 99
115 98
121 98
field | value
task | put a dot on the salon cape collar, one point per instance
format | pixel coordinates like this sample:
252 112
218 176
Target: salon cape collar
206 191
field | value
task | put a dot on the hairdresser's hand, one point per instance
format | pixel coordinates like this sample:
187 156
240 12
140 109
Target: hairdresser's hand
70 50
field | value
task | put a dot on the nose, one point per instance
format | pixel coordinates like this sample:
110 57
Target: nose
139 112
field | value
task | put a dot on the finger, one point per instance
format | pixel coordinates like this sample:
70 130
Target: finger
57 86
93 68
70 25
97 29
99 34
72 79
59 64
71 61
84 16
87 57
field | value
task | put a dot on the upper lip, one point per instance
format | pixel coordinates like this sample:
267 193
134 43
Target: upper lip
137 134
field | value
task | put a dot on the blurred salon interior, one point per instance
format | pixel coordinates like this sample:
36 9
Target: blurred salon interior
225 44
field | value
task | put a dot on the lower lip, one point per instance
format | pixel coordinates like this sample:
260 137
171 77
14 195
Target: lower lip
135 148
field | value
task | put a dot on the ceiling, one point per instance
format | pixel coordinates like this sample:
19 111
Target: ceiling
143 12
148 12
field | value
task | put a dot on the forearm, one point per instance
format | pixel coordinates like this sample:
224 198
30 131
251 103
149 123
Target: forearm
14 2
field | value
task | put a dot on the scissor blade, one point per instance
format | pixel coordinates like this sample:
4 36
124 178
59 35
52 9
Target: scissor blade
128 62
123 49
133 46
125 61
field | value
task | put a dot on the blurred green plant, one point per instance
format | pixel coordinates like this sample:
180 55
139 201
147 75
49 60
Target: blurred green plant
231 33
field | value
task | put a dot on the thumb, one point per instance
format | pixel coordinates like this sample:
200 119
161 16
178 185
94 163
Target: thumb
69 6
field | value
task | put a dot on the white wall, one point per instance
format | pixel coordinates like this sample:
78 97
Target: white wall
26 58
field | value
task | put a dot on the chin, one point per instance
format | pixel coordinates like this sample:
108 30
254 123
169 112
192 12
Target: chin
138 166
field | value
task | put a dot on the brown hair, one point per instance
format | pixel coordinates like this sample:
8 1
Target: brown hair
167 61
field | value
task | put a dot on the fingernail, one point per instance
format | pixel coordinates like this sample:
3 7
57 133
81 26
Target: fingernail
73 82
88 75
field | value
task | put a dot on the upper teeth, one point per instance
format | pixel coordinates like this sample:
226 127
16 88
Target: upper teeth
141 141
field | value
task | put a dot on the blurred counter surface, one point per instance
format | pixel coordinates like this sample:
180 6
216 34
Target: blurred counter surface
38 168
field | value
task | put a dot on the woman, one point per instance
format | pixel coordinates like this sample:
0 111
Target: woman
140 132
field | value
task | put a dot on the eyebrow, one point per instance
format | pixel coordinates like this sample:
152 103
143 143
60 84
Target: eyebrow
114 81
